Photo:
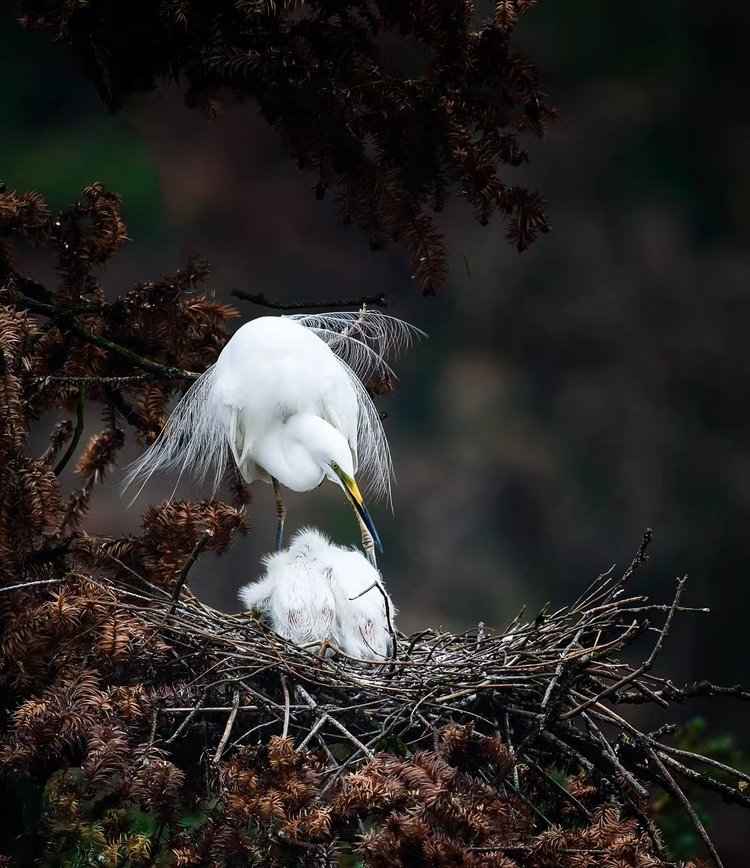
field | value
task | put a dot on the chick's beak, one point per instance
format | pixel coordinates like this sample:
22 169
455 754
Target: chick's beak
354 497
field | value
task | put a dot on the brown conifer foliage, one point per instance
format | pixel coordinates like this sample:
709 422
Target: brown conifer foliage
391 143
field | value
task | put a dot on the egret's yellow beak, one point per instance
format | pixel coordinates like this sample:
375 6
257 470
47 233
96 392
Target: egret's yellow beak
354 497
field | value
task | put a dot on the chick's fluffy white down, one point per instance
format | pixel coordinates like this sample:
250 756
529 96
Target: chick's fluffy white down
294 597
325 582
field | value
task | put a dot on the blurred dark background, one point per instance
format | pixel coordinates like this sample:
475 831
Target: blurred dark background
567 398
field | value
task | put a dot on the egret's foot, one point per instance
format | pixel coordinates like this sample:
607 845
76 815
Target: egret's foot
280 514
368 544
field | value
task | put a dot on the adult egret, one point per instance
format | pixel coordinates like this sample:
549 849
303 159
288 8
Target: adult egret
294 596
286 399
315 590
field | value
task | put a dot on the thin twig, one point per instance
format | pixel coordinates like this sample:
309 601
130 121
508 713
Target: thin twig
674 788
285 728
332 720
181 579
65 319
23 585
205 537
379 300
80 406
126 380
186 721
228 728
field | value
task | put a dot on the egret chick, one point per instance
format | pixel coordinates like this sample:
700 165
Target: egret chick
284 397
294 596
361 628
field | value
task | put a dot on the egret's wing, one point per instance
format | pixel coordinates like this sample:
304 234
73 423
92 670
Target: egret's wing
256 595
191 439
302 606
363 339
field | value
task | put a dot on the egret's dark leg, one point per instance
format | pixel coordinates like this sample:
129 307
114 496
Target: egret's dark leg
367 542
280 514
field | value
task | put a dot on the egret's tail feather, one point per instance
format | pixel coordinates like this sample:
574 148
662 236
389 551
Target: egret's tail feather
193 440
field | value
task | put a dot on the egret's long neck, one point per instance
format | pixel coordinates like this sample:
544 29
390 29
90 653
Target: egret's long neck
297 450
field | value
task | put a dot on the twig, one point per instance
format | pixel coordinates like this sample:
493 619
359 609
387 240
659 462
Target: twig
126 380
379 300
524 848
181 579
332 720
228 727
389 621
672 786
728 793
285 728
612 757
23 585
313 732
66 319
704 760
194 554
80 405
154 720
186 721
640 558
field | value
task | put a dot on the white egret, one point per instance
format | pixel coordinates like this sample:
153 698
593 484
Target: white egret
363 626
294 596
285 398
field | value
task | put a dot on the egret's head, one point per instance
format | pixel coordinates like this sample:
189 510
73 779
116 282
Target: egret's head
346 480
330 452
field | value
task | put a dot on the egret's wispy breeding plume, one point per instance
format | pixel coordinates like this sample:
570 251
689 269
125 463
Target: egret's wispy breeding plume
285 398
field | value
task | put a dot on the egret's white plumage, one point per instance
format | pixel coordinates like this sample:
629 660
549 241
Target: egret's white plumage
285 398
294 596
361 626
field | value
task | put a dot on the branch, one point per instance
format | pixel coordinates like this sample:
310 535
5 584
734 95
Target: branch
23 585
380 300
228 728
669 783
181 579
340 726
80 404
139 361
127 380
65 319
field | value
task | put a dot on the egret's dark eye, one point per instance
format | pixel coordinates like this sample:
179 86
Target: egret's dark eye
334 466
